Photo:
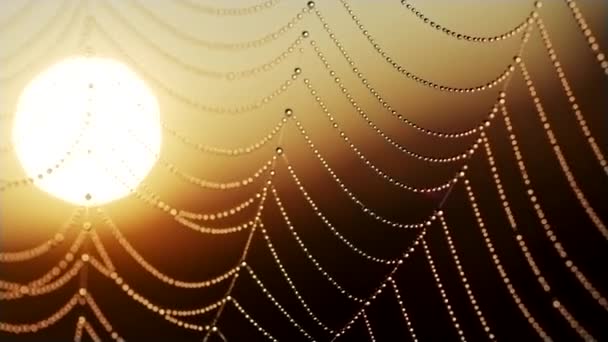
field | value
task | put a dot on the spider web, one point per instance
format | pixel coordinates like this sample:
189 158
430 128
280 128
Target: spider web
493 181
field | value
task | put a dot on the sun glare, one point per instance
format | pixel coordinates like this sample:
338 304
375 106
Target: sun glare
87 130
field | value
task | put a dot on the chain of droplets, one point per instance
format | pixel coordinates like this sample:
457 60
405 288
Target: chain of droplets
50 274
49 49
368 327
251 320
333 229
192 102
556 303
26 181
43 284
465 282
511 218
388 107
374 127
155 272
207 184
227 230
70 274
43 323
230 11
461 36
231 152
383 284
355 69
203 183
389 278
82 297
540 214
220 214
81 326
406 317
51 286
442 292
145 302
308 254
491 84
367 162
597 221
186 325
290 282
586 30
499 267
242 260
519 237
258 42
213 230
349 193
47 245
105 257
100 316
267 293
61 11
199 71
155 202
167 314
571 98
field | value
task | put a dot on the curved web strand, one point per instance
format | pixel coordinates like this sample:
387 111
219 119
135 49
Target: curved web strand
35 37
153 270
409 75
217 45
580 119
195 69
186 99
289 281
50 48
591 39
559 155
544 222
44 247
230 11
466 37
506 280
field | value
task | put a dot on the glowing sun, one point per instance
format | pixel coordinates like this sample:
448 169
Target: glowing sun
87 130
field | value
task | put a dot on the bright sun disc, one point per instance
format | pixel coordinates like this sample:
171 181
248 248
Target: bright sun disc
87 130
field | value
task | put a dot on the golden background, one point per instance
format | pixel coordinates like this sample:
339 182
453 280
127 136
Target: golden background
30 216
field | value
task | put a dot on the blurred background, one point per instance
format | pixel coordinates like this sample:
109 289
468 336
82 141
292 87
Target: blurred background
160 39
